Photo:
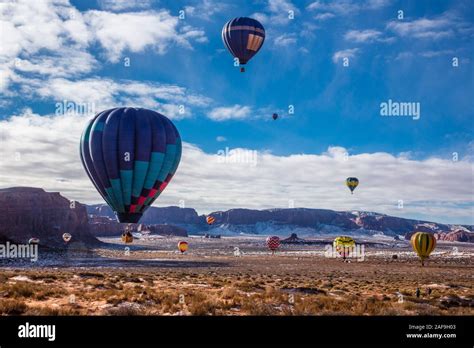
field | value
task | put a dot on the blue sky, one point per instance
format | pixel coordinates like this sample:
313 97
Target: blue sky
333 104
75 51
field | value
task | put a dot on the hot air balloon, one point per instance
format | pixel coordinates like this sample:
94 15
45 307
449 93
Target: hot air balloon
130 155
243 37
423 243
127 237
210 220
344 245
67 237
352 184
183 246
275 116
33 241
273 243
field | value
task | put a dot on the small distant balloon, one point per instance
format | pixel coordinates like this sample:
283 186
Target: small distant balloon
273 243
275 117
210 220
127 237
183 246
352 183
67 237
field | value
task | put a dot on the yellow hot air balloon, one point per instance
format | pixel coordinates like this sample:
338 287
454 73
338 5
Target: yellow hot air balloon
423 243
183 246
344 245
352 183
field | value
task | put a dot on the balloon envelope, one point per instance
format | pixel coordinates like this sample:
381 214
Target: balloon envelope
344 245
352 183
183 246
243 37
130 155
210 220
67 237
273 243
423 244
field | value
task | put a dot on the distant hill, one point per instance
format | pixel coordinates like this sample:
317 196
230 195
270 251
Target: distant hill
28 212
303 221
32 212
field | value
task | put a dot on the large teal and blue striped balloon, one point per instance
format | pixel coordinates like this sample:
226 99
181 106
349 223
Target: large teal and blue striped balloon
130 155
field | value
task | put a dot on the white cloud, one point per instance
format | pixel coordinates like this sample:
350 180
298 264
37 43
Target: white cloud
221 138
171 100
37 150
277 12
425 54
426 28
324 16
121 5
51 37
66 63
348 53
367 35
346 7
49 28
285 40
225 113
136 31
205 9
431 53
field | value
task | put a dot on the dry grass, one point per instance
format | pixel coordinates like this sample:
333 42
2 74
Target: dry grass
251 287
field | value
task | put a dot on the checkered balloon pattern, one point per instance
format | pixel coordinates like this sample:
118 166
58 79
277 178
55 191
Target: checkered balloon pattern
273 243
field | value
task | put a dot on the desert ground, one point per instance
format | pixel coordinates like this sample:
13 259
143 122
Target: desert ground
238 276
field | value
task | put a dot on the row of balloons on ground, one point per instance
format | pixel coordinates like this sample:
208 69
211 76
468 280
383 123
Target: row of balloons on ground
423 244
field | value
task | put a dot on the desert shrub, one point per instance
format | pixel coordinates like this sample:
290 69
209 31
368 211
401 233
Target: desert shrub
12 307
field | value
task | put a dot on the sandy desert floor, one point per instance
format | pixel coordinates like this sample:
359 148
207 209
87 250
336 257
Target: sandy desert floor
238 276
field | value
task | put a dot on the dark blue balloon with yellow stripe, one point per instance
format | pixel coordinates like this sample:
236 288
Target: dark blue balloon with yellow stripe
130 155
243 37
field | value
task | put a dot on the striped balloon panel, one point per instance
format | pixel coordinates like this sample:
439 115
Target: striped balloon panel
352 182
130 155
210 220
423 243
243 37
273 242
344 241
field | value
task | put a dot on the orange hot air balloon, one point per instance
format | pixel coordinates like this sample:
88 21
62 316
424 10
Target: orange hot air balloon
210 220
183 246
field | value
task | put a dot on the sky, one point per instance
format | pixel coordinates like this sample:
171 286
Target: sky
326 67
